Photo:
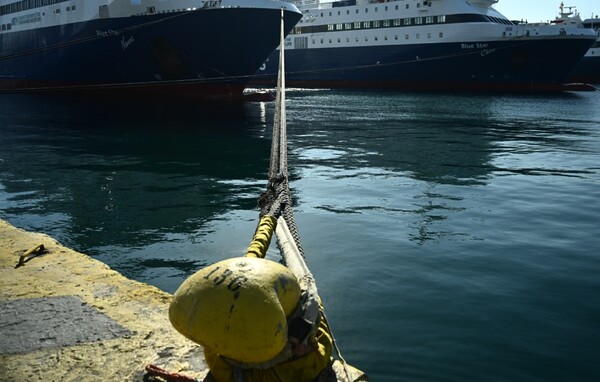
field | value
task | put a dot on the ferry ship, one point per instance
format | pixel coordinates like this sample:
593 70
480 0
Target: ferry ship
588 69
205 49
425 45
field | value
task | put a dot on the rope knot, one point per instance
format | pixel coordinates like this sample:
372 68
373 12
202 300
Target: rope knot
275 197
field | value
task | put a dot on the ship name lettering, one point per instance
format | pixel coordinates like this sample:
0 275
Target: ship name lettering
109 32
486 52
478 45
125 43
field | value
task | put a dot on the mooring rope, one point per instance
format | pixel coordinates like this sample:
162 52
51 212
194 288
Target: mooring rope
277 201
278 169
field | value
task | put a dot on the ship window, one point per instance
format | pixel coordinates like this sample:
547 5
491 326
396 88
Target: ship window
329 14
386 8
375 38
407 21
330 27
428 35
347 11
396 37
376 24
418 20
406 37
348 26
429 19
366 24
418 5
375 9
386 23
441 34
339 13
385 37
301 42
357 25
397 22
321 14
339 27
418 35
3 27
357 39
396 7
357 11
407 6
321 41
347 39
366 10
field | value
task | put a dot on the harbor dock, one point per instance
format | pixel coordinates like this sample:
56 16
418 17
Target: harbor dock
67 317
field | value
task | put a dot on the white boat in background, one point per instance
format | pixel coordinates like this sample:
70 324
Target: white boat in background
425 45
588 69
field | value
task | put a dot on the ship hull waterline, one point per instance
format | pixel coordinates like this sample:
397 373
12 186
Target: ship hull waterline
145 56
512 66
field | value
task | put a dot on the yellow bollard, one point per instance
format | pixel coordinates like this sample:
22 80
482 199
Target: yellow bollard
238 307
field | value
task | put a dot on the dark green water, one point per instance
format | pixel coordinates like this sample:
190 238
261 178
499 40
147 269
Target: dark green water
453 237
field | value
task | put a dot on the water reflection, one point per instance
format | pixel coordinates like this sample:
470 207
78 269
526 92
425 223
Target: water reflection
118 180
418 155
446 139
455 231
114 180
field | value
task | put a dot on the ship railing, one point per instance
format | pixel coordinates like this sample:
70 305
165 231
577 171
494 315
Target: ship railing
541 29
317 4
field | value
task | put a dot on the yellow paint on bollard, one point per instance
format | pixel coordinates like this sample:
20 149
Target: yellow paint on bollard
238 307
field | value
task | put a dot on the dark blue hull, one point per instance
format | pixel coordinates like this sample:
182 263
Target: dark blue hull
208 53
587 71
524 65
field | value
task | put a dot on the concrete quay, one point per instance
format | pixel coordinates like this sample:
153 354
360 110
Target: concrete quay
67 317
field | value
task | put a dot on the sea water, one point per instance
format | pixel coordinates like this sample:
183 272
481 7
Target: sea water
452 237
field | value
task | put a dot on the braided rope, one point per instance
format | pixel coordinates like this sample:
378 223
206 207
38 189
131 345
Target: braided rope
276 200
280 203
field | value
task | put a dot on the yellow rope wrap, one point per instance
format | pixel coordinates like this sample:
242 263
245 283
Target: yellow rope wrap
262 237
